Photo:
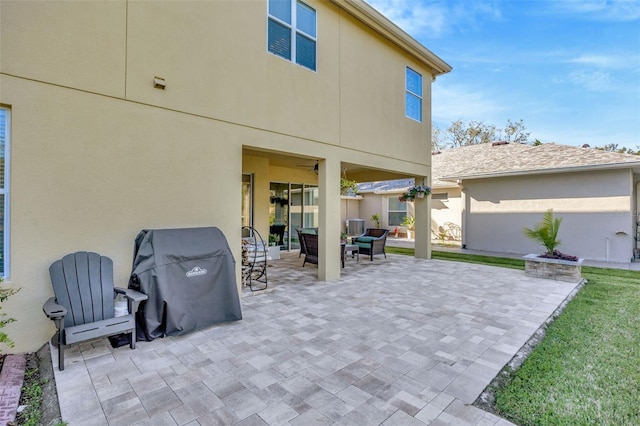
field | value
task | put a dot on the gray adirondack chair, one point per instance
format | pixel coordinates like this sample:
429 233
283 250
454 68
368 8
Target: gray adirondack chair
82 308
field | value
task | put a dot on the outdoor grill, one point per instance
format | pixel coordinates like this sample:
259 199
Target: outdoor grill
189 276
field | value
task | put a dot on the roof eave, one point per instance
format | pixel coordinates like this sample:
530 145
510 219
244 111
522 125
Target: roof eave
545 171
376 21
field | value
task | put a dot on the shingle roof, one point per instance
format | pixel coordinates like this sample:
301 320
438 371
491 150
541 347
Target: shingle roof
505 159
486 160
397 185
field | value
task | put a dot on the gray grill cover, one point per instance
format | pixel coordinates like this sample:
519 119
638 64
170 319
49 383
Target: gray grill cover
189 276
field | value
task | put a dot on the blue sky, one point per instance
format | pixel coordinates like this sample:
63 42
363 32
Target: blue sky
569 68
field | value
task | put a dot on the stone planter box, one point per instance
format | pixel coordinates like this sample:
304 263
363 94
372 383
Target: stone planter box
274 252
553 269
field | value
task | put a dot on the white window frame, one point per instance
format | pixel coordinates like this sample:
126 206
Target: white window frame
294 31
413 94
4 190
389 211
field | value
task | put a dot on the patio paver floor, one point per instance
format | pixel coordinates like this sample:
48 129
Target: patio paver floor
396 341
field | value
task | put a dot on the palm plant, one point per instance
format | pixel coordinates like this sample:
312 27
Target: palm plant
409 222
546 232
375 218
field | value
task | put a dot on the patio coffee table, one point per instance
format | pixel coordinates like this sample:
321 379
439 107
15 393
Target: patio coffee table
353 249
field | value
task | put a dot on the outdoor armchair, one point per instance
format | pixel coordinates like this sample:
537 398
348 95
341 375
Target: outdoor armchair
300 231
310 243
83 305
372 242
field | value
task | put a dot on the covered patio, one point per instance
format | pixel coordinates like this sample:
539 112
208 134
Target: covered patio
394 341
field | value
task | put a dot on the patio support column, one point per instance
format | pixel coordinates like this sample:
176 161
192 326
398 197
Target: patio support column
329 220
422 224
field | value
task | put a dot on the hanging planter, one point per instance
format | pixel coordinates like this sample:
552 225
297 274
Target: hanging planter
417 191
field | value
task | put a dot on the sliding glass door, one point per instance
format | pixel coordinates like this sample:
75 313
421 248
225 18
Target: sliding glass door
296 214
293 206
279 213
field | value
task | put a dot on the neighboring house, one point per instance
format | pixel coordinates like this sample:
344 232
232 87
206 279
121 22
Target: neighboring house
382 197
118 116
493 191
507 187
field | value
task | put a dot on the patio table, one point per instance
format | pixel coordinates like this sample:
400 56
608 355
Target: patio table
349 248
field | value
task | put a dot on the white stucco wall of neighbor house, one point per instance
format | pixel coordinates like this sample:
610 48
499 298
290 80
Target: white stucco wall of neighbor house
596 207
446 209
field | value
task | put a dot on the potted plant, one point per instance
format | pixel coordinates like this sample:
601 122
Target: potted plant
348 187
375 218
552 263
410 223
273 239
274 248
416 191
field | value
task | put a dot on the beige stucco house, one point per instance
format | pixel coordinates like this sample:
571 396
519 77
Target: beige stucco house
507 187
493 191
119 116
382 198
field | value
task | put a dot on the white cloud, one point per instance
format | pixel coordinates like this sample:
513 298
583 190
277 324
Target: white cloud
596 81
601 10
451 102
412 16
598 61
630 61
435 18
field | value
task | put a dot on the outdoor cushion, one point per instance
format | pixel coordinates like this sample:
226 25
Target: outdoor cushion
364 241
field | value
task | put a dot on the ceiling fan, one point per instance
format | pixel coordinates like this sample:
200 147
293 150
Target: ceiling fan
313 168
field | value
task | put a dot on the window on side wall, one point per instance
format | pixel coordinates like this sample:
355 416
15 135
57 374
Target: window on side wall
396 212
413 95
291 32
5 126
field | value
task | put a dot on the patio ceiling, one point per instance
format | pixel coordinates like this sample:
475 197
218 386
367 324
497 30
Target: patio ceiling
357 172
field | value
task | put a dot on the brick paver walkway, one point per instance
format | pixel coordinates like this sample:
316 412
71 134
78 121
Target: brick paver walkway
396 341
11 380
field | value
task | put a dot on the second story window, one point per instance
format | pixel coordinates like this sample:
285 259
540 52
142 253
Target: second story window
413 95
291 32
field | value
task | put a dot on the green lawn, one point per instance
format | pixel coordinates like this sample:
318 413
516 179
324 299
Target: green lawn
586 371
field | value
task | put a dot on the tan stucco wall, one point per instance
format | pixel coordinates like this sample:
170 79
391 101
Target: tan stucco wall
117 48
365 62
259 168
89 172
98 153
596 208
